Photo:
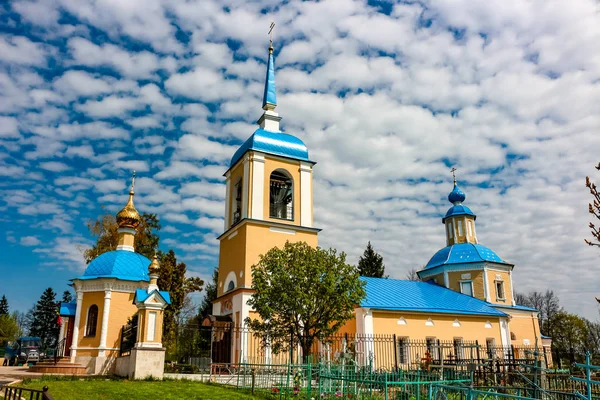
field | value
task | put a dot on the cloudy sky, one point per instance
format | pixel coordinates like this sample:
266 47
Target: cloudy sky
387 96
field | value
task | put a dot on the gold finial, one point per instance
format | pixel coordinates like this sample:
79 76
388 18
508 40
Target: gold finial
132 183
129 216
154 267
453 170
271 37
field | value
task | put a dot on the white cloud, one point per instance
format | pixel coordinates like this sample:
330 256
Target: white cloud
30 241
54 166
82 84
8 127
21 50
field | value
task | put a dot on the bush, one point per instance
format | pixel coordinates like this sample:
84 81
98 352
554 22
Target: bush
181 368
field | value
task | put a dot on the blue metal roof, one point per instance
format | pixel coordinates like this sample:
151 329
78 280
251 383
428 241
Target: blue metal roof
269 96
401 295
68 309
119 264
463 253
276 143
456 195
516 307
458 209
141 295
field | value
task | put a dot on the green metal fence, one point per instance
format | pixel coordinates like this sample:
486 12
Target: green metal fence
324 381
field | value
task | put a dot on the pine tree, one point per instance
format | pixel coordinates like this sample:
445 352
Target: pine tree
3 306
67 297
172 279
210 293
371 263
44 323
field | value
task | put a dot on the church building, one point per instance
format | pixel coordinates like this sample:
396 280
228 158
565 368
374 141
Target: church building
465 292
115 286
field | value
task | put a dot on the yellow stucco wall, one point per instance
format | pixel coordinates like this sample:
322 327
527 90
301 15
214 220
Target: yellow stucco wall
492 277
89 299
244 248
454 279
471 328
121 308
525 327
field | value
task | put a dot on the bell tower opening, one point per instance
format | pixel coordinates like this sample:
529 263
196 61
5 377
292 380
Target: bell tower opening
281 195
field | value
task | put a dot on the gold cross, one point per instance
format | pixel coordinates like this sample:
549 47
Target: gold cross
271 32
453 170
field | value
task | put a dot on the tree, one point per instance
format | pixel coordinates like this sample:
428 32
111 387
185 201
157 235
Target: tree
9 329
412 275
547 304
569 338
44 319
67 297
302 294
371 263
3 305
210 293
172 279
594 209
105 229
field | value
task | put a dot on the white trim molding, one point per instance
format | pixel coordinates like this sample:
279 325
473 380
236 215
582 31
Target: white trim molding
258 186
227 201
284 231
245 187
306 217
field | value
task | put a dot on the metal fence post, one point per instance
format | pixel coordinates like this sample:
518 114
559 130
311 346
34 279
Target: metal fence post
395 353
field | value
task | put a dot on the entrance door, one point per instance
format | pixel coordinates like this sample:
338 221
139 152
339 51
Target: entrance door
69 340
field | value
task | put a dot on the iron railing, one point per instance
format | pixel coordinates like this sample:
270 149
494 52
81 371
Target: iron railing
281 211
18 393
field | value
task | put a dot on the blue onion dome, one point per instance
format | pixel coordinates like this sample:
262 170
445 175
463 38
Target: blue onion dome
456 196
120 264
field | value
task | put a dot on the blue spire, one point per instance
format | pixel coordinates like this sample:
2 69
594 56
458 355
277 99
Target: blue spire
270 97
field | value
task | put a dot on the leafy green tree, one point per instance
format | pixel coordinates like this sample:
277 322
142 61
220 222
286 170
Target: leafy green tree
302 294
210 293
9 328
371 263
105 229
569 337
44 319
3 305
172 279
67 297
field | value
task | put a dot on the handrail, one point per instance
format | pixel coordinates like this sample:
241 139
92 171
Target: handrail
59 351
16 393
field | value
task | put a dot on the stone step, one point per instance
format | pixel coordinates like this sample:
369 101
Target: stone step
61 369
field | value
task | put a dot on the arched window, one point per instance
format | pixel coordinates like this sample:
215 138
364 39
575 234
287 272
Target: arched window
92 321
237 205
230 286
281 201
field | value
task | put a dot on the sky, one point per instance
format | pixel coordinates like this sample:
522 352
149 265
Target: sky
387 96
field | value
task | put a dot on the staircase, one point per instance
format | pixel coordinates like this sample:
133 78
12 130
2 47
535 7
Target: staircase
63 366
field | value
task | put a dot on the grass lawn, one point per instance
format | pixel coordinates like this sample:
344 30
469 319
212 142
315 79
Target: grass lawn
88 389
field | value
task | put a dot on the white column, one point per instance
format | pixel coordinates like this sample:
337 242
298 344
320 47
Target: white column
227 201
512 291
245 187
104 327
306 218
486 286
76 326
258 186
446 280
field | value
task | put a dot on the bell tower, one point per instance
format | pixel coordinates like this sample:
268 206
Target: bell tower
268 201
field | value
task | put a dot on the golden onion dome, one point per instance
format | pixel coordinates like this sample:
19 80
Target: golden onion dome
129 216
154 267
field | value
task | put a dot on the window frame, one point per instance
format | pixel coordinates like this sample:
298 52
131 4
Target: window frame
403 346
289 206
458 345
89 324
470 282
500 284
236 207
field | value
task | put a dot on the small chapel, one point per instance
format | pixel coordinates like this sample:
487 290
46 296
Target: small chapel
465 292
116 286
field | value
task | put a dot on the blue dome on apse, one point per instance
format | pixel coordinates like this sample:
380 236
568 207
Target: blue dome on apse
120 264
464 253
456 195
